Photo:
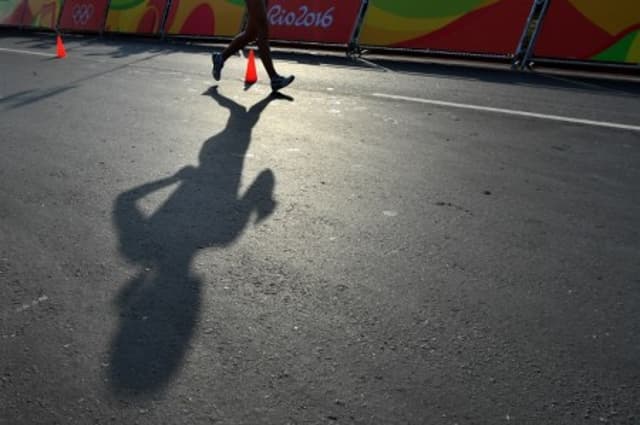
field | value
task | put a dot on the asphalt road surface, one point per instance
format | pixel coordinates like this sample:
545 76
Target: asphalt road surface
387 242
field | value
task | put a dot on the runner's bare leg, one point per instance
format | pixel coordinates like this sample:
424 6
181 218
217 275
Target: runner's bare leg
257 29
258 14
239 41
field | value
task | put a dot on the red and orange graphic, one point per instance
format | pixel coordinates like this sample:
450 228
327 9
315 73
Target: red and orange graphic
41 13
591 30
11 12
205 17
135 16
473 26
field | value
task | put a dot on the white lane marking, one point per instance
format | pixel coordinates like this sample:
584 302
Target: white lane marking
516 112
27 52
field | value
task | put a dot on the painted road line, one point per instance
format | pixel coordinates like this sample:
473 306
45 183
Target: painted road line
27 52
515 112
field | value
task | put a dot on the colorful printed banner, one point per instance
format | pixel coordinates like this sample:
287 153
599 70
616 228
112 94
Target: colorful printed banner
472 26
205 17
135 16
83 15
324 21
591 30
41 13
11 12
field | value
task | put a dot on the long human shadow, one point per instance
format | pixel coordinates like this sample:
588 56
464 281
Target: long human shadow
160 306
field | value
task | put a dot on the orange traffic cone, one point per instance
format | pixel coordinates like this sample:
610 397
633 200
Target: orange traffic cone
61 52
251 75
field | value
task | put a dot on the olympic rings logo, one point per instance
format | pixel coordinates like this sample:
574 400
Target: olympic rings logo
81 13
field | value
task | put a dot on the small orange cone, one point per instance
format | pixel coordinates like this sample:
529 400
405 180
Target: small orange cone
61 52
251 75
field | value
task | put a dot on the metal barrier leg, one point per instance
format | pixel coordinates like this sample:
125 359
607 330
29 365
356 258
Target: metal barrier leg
56 28
106 17
524 38
353 48
526 60
163 20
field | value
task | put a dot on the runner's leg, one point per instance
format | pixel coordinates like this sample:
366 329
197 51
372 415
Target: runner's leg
258 17
242 39
238 42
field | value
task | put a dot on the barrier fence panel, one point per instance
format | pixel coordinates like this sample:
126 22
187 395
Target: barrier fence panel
591 30
135 16
220 18
321 21
41 13
465 26
11 12
83 15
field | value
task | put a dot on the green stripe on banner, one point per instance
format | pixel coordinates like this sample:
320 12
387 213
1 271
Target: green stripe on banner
7 6
124 4
618 52
427 9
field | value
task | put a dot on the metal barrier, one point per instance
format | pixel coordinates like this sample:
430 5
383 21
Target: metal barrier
585 31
